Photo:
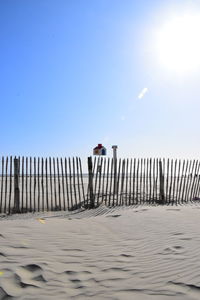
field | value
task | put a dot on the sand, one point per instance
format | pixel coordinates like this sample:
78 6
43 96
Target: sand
124 253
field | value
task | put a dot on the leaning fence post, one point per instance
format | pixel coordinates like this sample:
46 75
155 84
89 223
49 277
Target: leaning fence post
161 175
90 174
16 185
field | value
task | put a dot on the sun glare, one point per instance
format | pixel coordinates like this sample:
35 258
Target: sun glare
178 43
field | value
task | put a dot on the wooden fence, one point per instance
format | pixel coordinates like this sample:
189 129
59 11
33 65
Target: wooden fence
38 184
153 181
48 184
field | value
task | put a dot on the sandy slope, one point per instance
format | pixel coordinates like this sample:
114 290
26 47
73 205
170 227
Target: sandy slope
131 253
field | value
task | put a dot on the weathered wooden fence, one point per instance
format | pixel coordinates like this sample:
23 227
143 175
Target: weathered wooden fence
153 181
48 184
38 184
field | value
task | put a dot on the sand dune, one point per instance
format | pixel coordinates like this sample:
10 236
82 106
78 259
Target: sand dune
121 253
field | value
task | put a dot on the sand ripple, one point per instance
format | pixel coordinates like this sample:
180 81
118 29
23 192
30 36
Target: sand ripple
133 253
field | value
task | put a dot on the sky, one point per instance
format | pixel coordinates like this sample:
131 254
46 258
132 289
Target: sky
76 73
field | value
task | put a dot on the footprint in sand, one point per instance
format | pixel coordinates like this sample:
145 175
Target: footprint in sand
31 275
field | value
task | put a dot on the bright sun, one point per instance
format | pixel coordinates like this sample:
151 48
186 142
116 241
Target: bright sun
178 43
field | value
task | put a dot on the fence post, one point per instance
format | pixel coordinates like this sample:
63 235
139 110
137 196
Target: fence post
161 175
90 174
16 185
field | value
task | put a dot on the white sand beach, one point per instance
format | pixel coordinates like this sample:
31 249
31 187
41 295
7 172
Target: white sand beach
123 253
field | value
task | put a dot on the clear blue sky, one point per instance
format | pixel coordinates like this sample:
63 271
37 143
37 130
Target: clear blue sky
71 72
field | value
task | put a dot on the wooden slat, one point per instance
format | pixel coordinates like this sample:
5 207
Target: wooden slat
55 184
42 182
126 180
96 174
107 180
150 180
59 186
194 180
144 175
174 182
181 182
103 179
122 183
82 184
118 182
140 179
30 184
26 183
167 183
70 182
137 181
99 183
2 184
146 171
191 180
67 184
74 182
188 181
22 187
10 186
154 181
78 181
134 179
171 182
6 185
184 182
130 182
111 179
34 183
178 182
51 182
63 185
38 183
47 183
